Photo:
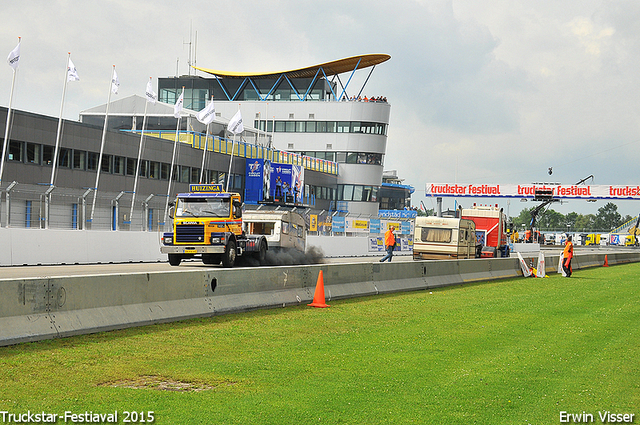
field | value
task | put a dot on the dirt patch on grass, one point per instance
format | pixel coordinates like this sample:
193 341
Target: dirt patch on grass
151 382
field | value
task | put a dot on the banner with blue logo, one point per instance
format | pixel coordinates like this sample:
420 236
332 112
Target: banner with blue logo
257 181
337 224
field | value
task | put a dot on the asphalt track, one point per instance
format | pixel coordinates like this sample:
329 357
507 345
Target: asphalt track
25 272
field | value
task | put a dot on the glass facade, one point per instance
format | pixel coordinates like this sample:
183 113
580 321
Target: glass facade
198 90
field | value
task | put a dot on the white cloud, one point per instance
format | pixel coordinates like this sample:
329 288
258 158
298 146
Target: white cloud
494 91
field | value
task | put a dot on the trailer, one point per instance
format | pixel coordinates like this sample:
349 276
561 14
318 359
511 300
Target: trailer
283 230
444 238
491 229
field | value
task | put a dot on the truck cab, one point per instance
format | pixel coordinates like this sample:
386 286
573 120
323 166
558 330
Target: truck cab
207 223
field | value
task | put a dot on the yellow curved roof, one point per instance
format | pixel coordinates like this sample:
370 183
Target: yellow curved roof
330 68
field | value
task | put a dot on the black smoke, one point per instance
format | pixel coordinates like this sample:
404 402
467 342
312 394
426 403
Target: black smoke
288 257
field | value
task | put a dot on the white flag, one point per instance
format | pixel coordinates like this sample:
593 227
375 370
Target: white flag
151 95
207 115
115 82
177 108
235 125
72 73
14 57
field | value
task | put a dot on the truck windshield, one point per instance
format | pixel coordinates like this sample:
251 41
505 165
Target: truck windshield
203 207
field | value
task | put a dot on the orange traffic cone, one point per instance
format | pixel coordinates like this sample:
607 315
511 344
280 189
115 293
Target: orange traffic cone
318 297
606 262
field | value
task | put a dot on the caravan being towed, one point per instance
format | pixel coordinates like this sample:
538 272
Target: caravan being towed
444 237
282 229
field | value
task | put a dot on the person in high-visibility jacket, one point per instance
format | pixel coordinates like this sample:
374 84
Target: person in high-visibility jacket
389 244
567 255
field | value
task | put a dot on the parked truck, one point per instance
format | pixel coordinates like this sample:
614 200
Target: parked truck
444 238
491 229
207 223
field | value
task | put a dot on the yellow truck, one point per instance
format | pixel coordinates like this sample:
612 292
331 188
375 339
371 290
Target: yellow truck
207 223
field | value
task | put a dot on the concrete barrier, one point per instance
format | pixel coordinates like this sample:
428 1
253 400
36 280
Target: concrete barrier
43 308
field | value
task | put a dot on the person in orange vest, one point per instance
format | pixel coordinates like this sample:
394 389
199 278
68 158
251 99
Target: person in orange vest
567 254
389 244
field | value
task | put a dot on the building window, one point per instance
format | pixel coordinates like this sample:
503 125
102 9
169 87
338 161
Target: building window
118 165
131 166
154 170
185 174
16 151
79 160
47 155
107 164
92 161
164 171
64 158
33 153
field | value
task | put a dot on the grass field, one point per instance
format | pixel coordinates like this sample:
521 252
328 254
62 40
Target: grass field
517 351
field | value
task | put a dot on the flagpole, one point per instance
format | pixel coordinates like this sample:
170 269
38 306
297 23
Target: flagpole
204 153
173 157
233 145
135 181
104 136
6 131
55 152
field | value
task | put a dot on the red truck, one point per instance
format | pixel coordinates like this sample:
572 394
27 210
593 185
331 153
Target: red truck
491 230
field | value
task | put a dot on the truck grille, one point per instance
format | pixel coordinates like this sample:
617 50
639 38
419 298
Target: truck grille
189 233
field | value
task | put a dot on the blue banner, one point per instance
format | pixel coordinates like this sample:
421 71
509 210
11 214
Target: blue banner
337 224
257 181
405 228
397 214
374 225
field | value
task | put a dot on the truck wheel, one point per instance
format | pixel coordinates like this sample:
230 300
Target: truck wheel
261 254
174 259
229 257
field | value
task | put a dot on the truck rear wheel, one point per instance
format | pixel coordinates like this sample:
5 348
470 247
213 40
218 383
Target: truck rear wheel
229 257
261 254
174 259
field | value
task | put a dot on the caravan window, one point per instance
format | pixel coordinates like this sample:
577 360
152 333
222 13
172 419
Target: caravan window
259 228
428 234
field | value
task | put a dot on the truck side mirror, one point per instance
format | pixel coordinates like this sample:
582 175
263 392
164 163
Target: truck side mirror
237 209
171 211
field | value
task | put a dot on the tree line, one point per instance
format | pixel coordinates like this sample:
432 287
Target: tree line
607 219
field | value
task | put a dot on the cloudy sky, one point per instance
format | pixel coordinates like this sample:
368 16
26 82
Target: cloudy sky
493 91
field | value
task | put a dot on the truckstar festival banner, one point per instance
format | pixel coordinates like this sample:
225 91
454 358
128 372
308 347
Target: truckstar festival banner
528 191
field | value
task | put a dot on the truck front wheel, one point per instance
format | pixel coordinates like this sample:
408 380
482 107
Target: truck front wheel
174 259
229 257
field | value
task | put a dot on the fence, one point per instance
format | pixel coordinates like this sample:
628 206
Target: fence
43 207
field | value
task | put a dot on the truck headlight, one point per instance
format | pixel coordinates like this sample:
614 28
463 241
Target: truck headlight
215 239
168 240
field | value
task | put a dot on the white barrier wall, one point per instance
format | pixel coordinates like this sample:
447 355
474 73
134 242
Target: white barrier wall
19 246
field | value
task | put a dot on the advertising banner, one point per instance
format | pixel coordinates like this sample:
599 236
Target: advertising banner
356 225
337 224
374 225
257 181
313 222
528 191
270 181
287 182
